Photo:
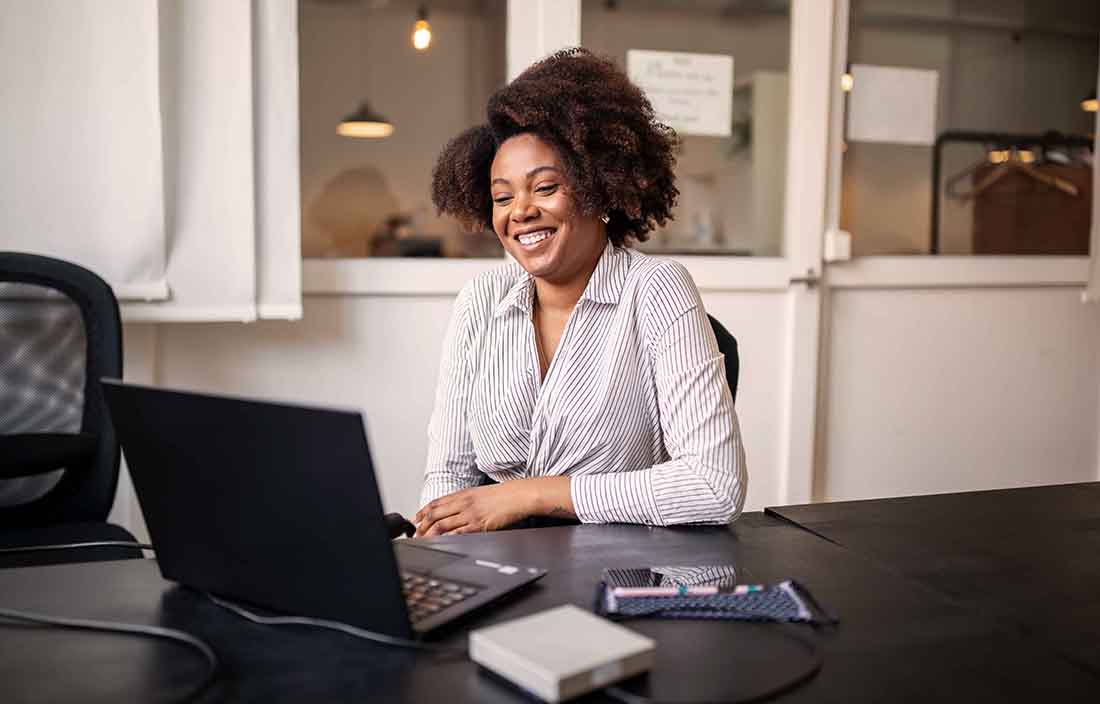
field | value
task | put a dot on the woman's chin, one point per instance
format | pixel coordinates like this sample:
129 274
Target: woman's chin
538 264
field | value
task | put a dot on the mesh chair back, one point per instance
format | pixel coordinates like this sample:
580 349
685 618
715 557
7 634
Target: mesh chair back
43 348
60 332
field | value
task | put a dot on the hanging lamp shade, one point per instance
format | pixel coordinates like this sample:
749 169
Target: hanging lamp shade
365 123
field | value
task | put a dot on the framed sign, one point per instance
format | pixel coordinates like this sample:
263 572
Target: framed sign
691 93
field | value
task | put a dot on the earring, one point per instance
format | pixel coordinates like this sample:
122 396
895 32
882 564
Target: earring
605 218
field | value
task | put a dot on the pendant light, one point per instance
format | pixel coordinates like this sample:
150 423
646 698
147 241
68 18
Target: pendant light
364 123
1090 103
422 31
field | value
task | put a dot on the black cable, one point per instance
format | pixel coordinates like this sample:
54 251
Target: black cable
816 662
245 613
72 546
336 626
180 637
168 634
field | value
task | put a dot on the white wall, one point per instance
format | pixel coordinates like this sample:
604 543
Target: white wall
928 390
381 354
139 358
959 389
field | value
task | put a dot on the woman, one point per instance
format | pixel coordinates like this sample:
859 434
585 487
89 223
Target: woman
586 381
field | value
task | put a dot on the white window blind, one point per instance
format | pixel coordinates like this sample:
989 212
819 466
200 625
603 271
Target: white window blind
80 134
200 149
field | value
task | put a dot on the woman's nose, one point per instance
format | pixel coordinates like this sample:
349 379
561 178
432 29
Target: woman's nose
523 209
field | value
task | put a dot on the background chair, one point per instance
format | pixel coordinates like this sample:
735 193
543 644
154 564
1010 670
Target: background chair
60 332
727 345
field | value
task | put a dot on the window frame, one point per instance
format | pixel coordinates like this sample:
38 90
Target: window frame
555 24
937 270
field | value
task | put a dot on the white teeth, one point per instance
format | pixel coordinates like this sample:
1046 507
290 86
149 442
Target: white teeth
534 237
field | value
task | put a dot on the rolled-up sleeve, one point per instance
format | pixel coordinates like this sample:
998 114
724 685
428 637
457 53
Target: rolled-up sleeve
451 462
706 479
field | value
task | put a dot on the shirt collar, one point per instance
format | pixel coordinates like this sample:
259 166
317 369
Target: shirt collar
605 285
520 296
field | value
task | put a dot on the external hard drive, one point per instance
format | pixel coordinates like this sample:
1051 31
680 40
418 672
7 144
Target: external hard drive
561 653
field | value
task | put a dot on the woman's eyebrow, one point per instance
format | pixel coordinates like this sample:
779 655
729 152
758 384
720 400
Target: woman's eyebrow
539 169
530 174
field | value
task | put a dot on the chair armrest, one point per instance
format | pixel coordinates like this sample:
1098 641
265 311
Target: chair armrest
26 454
397 525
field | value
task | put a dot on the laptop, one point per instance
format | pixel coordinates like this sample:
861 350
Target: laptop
276 505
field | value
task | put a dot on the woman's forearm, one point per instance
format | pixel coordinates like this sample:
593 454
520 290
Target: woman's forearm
550 496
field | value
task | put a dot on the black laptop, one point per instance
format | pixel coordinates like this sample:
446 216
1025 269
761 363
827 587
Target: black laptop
276 505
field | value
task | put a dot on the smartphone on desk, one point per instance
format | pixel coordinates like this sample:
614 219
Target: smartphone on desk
716 577
620 586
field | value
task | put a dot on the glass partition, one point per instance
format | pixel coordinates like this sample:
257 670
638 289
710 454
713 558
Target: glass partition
380 95
731 169
969 126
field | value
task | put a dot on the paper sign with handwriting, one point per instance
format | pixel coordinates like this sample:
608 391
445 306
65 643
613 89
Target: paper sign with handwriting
691 93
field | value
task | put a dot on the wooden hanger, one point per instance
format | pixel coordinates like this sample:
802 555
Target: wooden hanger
1013 163
951 183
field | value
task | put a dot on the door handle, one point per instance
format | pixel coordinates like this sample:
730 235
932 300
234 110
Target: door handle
811 279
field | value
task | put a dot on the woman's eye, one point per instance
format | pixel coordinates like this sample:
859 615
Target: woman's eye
547 189
502 200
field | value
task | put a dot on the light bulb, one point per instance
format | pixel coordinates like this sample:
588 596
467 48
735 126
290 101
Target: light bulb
1090 104
422 35
361 129
846 82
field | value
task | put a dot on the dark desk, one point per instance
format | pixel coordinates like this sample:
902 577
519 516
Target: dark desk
899 640
1030 557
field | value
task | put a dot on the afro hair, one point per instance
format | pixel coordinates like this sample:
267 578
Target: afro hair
618 158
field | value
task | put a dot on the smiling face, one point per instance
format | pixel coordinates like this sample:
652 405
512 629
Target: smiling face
535 216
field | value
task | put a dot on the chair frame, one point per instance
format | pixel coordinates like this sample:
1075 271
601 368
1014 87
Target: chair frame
83 493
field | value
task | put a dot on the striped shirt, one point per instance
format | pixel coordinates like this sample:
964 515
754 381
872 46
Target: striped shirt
635 406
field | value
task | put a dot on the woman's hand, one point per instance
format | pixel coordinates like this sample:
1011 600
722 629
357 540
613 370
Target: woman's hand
475 510
493 507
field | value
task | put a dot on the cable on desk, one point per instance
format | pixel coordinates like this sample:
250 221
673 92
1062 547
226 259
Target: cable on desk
186 639
73 546
816 661
168 634
336 626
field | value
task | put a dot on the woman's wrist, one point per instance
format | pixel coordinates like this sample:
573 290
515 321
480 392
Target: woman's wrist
550 496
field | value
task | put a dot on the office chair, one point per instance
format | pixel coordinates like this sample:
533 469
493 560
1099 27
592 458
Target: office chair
727 345
60 332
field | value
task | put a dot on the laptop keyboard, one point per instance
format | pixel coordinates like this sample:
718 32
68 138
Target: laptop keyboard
427 596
